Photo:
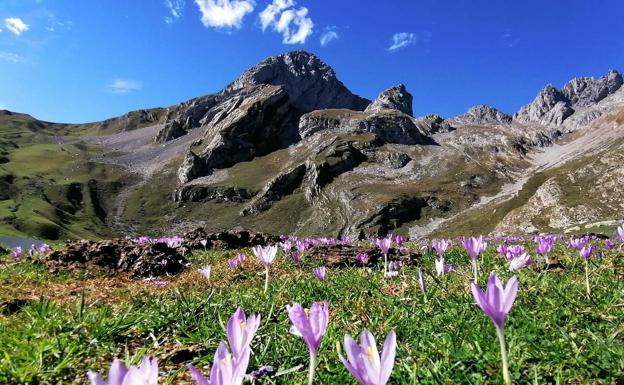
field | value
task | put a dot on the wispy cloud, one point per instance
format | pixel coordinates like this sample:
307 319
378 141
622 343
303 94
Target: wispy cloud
224 13
124 86
283 16
175 8
402 40
16 25
10 57
509 40
329 34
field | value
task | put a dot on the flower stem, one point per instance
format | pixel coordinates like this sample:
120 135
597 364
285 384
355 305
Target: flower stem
312 368
501 338
587 278
385 264
475 268
266 279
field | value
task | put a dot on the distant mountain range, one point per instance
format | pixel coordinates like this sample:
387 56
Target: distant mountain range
287 148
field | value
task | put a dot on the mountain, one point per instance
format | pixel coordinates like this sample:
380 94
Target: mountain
287 148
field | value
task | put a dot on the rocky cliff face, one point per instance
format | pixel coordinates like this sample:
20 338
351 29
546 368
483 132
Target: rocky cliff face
553 106
482 114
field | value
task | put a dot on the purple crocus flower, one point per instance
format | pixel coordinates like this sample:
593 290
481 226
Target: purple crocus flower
363 361
362 258
16 252
311 326
240 331
399 240
609 244
502 250
578 243
384 244
474 247
266 255
260 372
514 251
226 369
587 251
620 231
44 248
203 242
319 273
441 245
232 263
145 374
520 262
296 257
496 302
545 245
160 283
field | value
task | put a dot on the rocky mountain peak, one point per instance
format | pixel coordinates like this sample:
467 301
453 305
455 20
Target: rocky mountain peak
483 114
552 106
310 83
585 91
394 98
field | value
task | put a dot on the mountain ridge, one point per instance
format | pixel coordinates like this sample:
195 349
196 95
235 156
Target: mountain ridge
288 140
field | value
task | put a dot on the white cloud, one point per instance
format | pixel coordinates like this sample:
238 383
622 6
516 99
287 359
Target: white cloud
402 40
10 57
175 8
224 13
294 24
124 86
16 25
329 35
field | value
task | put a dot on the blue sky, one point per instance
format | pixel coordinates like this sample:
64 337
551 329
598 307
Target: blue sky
78 61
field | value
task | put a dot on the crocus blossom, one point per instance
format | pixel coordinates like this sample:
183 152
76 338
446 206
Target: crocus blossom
319 273
384 245
545 245
496 302
16 252
362 258
474 247
620 231
441 245
266 255
520 262
311 326
363 361
240 331
225 370
578 243
442 268
422 284
205 271
145 374
586 252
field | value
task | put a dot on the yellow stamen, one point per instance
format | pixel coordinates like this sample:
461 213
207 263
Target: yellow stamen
369 353
307 312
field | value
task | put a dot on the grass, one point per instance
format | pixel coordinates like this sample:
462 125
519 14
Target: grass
75 321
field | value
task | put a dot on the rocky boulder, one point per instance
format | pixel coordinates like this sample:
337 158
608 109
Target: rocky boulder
395 98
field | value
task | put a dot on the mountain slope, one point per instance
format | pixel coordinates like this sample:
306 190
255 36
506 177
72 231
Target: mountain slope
287 148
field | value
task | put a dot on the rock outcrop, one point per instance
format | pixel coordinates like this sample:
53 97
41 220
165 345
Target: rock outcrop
395 98
552 106
390 126
482 114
